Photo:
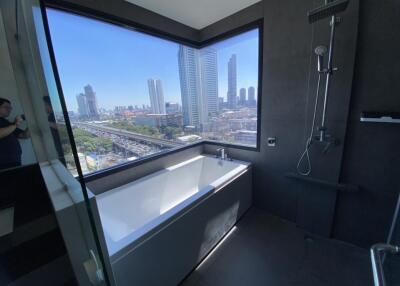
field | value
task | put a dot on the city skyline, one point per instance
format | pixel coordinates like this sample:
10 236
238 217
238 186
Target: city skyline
202 66
199 89
112 77
163 107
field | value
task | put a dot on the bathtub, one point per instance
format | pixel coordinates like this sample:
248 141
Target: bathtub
181 210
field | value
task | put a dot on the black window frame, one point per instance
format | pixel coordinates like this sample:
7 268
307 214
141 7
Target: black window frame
132 25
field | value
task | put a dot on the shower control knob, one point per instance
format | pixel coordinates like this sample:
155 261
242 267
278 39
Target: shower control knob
271 141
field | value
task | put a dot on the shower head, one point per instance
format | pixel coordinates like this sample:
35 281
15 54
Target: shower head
329 9
320 51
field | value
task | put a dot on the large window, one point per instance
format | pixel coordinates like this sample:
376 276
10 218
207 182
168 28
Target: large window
131 94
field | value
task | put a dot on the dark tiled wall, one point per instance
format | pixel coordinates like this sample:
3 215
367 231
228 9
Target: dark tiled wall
372 150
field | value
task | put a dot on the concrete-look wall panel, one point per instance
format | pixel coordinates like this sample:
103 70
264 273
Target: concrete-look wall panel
130 12
237 20
372 152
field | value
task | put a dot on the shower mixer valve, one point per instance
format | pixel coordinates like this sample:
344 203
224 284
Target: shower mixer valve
326 139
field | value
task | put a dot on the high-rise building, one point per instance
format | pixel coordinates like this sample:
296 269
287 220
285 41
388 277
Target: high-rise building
82 105
242 96
160 96
220 102
91 101
199 84
232 84
251 99
156 96
189 67
209 82
172 107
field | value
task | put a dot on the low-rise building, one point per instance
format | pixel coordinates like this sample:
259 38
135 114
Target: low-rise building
248 137
158 120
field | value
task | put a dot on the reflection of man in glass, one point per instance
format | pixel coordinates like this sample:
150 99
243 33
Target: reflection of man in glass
10 150
54 128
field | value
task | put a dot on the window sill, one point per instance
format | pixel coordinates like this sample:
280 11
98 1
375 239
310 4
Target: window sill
118 168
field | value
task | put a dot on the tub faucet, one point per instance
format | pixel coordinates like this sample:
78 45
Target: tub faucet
224 156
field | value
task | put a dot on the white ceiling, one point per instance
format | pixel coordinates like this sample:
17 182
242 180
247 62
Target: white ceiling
194 13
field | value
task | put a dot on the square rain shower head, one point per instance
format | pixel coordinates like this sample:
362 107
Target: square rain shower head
327 10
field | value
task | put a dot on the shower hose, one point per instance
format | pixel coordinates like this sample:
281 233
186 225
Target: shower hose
306 153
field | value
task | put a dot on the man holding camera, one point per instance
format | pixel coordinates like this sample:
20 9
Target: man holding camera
10 150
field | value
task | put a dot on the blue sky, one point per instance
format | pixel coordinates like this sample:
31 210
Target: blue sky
117 61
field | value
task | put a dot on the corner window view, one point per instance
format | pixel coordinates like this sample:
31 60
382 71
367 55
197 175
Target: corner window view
130 94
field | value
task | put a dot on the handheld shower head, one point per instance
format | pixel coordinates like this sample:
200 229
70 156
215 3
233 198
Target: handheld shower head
320 51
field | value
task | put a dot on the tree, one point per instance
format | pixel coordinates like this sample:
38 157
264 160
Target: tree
89 143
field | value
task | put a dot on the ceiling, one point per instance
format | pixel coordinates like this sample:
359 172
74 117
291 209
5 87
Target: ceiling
195 13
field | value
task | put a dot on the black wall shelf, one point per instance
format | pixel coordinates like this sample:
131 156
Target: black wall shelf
380 117
323 183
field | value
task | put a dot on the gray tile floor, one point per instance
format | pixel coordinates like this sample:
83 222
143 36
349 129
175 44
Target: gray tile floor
266 250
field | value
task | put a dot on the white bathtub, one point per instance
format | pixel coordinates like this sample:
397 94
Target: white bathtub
131 211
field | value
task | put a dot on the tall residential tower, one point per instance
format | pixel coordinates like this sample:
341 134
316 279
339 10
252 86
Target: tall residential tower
209 81
91 101
251 99
82 105
242 96
199 84
87 103
232 83
156 96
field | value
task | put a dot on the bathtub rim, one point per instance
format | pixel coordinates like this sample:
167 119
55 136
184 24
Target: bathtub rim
166 170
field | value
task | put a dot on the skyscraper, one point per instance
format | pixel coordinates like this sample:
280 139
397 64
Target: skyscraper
232 89
156 96
209 81
220 102
91 101
82 105
160 96
190 84
251 99
242 96
199 84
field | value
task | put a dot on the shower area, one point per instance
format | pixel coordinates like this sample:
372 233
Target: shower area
298 212
329 10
